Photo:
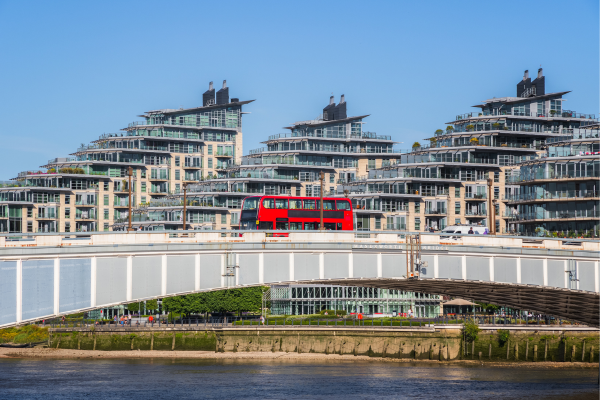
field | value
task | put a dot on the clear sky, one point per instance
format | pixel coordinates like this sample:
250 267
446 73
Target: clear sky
70 71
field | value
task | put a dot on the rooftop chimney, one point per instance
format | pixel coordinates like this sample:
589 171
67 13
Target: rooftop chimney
208 97
223 94
329 110
331 101
526 75
540 73
340 111
342 99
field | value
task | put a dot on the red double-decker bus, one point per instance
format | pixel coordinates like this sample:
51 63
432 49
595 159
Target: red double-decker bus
295 213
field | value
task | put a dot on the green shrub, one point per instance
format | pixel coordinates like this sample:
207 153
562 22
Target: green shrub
470 331
503 336
334 312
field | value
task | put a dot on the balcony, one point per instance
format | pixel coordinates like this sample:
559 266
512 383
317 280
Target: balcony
475 196
47 214
224 153
363 135
558 176
476 214
431 211
567 195
394 227
84 216
557 215
549 114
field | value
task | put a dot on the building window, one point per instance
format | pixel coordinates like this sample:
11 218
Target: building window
377 222
29 226
496 192
371 163
143 173
234 218
106 216
331 178
210 162
29 212
177 174
298 191
143 199
223 218
106 200
106 227
177 161
457 191
106 184
67 212
457 207
457 221
177 188
417 207
417 224
143 187
210 149
67 199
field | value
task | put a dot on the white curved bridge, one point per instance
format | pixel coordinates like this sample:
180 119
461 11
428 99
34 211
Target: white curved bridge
42 276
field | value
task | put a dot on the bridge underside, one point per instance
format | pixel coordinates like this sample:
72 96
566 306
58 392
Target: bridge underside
571 305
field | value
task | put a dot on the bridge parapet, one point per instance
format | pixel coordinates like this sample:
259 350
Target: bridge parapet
162 237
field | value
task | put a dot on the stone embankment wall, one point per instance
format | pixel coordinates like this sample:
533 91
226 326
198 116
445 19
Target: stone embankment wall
423 344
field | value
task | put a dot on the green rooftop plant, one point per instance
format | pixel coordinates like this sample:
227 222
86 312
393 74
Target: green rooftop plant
470 128
439 132
416 144
474 141
449 129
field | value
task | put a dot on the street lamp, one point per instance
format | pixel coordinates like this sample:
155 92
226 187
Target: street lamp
130 174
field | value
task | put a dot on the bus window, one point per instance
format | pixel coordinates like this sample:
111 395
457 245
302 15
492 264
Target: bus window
281 204
266 225
295 226
282 226
269 203
339 226
251 203
295 204
328 205
309 204
343 205
311 226
329 227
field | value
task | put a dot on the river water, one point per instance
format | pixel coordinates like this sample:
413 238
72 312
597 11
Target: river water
273 379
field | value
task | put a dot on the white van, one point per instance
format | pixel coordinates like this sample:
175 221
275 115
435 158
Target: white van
463 230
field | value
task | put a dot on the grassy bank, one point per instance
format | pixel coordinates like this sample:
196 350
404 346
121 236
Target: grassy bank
24 334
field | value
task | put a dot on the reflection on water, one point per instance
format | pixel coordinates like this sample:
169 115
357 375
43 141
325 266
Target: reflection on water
272 379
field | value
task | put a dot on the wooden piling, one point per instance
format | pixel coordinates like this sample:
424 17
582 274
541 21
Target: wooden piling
535 352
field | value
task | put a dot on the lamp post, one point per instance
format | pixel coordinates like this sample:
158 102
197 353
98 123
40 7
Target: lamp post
130 174
492 209
321 178
184 202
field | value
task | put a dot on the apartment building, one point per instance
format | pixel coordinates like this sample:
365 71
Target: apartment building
446 182
558 190
89 190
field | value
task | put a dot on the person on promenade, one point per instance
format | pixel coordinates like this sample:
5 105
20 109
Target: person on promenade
129 319
471 231
262 320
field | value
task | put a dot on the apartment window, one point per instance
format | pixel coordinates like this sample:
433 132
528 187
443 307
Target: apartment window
67 199
177 188
144 199
143 187
106 186
106 200
457 207
497 209
331 178
29 226
377 222
457 191
29 212
106 227
177 174
106 213
210 149
417 207
417 224
371 163
67 226
496 192
177 161
457 221
210 162
223 218
67 212
235 218
143 173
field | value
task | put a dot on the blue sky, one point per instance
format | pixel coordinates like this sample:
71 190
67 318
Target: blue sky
71 71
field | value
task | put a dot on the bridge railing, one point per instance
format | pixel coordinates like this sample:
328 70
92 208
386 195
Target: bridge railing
233 236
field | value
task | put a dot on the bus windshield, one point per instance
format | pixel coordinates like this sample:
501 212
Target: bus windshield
251 203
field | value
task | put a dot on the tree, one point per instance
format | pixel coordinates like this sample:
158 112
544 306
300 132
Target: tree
133 307
152 305
416 144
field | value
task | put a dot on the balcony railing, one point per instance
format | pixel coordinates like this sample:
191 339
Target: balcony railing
471 213
557 195
557 215
549 114
476 196
364 135
553 175
394 227
432 211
